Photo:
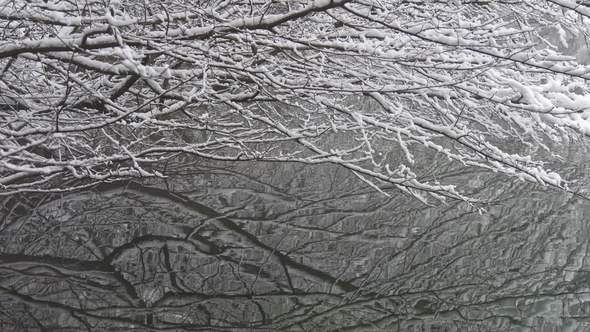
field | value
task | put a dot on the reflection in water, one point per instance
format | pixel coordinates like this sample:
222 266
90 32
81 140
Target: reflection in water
275 247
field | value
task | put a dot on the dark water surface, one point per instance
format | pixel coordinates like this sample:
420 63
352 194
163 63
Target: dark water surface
271 247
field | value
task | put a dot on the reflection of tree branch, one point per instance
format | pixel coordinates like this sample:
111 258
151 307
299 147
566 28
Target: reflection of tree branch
61 264
190 274
149 240
228 224
174 280
44 305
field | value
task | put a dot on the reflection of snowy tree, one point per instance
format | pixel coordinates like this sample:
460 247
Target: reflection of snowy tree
98 92
228 251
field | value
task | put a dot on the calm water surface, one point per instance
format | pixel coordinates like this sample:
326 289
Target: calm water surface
277 247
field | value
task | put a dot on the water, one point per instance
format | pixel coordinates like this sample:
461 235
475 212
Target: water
288 247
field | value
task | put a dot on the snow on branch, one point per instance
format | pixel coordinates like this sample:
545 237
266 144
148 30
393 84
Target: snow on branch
91 92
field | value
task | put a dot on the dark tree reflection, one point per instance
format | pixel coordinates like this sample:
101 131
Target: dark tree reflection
276 247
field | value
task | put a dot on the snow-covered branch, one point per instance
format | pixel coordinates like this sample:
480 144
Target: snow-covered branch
98 93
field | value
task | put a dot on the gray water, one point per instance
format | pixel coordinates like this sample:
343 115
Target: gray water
272 247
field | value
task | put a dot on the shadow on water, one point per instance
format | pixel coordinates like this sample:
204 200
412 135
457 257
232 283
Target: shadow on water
286 247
